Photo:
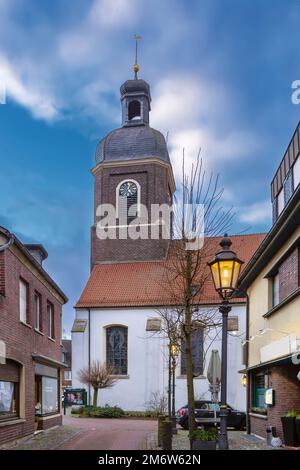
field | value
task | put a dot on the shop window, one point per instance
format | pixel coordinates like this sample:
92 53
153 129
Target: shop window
259 386
197 353
9 390
46 391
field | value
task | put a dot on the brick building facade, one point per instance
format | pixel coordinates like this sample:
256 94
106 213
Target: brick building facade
67 360
272 281
30 338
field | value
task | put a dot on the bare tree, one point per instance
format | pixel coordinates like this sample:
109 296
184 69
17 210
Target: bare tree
157 403
186 275
98 375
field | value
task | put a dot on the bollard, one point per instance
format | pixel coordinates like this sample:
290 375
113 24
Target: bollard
167 428
160 420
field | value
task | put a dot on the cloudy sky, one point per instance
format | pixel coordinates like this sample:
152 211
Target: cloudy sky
220 72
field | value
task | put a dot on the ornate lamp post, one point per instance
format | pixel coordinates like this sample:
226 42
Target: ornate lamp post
174 353
225 269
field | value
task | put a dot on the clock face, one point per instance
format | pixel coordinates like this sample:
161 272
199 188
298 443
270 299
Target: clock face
128 189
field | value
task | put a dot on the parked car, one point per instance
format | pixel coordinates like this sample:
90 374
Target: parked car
205 413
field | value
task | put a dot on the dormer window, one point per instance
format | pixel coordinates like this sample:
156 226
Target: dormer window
134 110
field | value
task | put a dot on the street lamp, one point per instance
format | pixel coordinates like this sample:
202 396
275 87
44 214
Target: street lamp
225 270
174 353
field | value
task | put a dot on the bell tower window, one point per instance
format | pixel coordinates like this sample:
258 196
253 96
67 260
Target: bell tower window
128 195
134 110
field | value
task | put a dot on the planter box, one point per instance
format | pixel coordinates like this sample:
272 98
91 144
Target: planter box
289 431
204 445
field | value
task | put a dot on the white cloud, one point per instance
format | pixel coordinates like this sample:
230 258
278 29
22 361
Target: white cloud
190 111
257 213
112 13
23 92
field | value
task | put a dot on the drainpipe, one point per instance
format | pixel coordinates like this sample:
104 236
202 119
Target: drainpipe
248 394
89 354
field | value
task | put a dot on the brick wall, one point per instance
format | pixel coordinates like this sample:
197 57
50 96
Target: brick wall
153 179
2 273
283 379
289 275
22 341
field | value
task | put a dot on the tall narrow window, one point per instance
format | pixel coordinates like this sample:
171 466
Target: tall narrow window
197 353
50 320
116 349
23 299
128 196
38 311
134 110
275 290
259 386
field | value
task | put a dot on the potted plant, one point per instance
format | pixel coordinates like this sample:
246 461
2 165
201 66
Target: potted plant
289 428
204 439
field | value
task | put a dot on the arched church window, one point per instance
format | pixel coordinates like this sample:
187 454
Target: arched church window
116 348
134 110
128 195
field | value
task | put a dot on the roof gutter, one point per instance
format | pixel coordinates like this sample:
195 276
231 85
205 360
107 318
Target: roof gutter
11 239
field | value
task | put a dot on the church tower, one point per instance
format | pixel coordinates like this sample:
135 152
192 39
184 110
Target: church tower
132 169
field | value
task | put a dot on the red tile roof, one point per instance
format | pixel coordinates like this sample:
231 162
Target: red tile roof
144 283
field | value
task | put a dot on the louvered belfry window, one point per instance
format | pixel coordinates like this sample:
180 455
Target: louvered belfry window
128 197
116 349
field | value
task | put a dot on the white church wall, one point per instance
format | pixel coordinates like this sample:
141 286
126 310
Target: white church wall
147 359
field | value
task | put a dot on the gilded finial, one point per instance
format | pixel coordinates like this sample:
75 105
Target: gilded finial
136 66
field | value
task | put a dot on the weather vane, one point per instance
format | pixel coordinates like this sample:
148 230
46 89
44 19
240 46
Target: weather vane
136 66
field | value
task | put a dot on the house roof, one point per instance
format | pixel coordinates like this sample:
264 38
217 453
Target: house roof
144 283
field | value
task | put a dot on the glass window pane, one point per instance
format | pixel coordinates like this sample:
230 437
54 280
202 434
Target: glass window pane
276 290
23 300
49 395
296 171
6 397
280 202
116 349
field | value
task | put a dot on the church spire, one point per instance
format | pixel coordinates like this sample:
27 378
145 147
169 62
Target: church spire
136 66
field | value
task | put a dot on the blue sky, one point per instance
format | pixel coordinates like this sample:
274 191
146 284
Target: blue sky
220 72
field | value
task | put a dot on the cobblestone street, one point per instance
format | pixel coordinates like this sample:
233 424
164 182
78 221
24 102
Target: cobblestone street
47 440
